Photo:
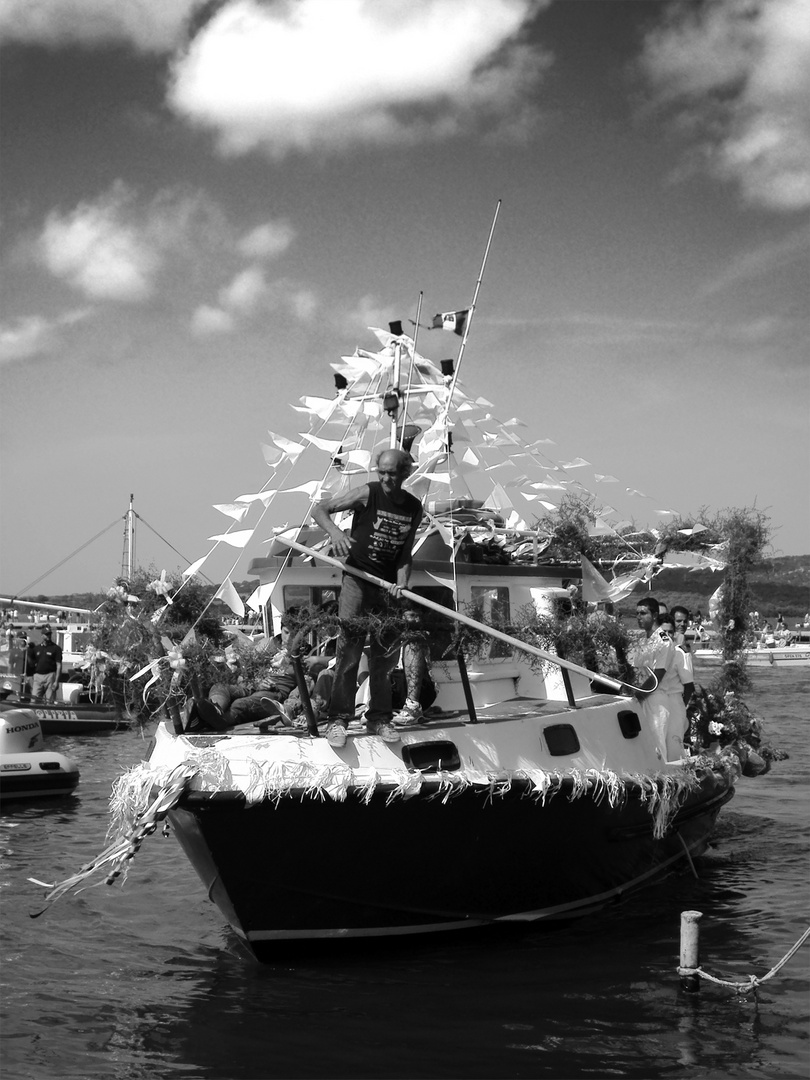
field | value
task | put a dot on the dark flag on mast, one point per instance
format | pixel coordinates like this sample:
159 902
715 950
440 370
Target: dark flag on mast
456 321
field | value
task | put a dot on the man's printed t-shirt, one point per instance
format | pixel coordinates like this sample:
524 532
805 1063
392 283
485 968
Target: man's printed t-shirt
383 530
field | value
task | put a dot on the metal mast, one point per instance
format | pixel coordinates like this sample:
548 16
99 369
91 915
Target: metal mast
128 559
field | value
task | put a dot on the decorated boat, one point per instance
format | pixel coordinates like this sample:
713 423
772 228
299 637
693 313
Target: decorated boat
531 789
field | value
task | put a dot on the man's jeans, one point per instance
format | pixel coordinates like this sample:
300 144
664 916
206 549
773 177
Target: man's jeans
358 598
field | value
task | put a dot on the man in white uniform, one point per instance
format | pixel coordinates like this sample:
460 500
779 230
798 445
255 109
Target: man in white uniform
653 658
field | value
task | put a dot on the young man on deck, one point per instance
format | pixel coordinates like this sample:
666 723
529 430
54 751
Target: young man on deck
379 542
653 658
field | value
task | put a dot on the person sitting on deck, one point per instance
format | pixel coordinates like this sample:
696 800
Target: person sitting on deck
244 699
420 692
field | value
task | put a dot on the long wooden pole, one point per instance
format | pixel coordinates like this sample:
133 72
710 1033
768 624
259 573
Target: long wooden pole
457 616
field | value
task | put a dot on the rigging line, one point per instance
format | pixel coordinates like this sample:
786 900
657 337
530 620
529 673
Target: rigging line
166 542
69 557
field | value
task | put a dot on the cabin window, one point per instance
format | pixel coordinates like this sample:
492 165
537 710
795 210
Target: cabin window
561 740
431 757
629 723
491 606
309 595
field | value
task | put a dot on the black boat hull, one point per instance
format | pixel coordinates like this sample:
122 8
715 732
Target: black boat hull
300 868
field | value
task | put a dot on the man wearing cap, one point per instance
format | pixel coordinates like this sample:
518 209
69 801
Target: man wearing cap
47 668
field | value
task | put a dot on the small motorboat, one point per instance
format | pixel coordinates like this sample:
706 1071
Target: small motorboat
27 769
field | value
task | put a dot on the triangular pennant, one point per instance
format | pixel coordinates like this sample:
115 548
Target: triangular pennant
190 571
232 510
236 539
228 593
594 586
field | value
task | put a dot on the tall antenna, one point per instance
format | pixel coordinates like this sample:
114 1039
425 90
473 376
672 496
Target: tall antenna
472 308
128 558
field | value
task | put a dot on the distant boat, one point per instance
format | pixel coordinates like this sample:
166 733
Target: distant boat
796 654
61 718
77 710
28 769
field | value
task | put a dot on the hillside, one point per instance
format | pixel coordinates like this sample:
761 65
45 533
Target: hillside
779 584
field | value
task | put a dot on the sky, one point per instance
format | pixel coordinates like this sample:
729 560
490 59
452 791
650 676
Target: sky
204 205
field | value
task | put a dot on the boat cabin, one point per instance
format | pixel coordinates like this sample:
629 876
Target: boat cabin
491 592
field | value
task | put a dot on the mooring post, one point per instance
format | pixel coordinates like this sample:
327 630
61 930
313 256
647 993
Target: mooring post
690 949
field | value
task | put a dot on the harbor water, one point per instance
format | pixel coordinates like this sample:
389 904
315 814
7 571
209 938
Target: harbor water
147 981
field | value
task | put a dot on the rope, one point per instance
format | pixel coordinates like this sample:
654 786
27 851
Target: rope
118 854
752 982
67 558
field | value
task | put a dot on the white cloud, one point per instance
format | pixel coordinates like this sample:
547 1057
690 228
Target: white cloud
329 74
98 252
33 335
246 292
740 74
210 320
267 241
147 25
250 294
113 248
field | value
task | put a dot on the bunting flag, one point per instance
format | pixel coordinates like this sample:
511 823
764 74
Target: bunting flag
272 455
260 596
232 510
599 528
236 539
693 560
190 571
499 500
594 586
715 600
604 478
330 445
228 593
290 449
445 582
624 584
311 488
577 463
265 497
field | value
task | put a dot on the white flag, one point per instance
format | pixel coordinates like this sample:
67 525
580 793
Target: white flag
228 593
236 539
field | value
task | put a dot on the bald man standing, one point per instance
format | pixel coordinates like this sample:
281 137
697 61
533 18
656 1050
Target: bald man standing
380 542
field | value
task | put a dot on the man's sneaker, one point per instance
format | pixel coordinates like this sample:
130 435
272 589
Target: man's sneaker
336 734
385 731
409 715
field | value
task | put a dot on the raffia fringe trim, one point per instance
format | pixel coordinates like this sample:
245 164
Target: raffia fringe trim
273 781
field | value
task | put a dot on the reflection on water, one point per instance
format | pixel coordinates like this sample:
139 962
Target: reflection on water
147 982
